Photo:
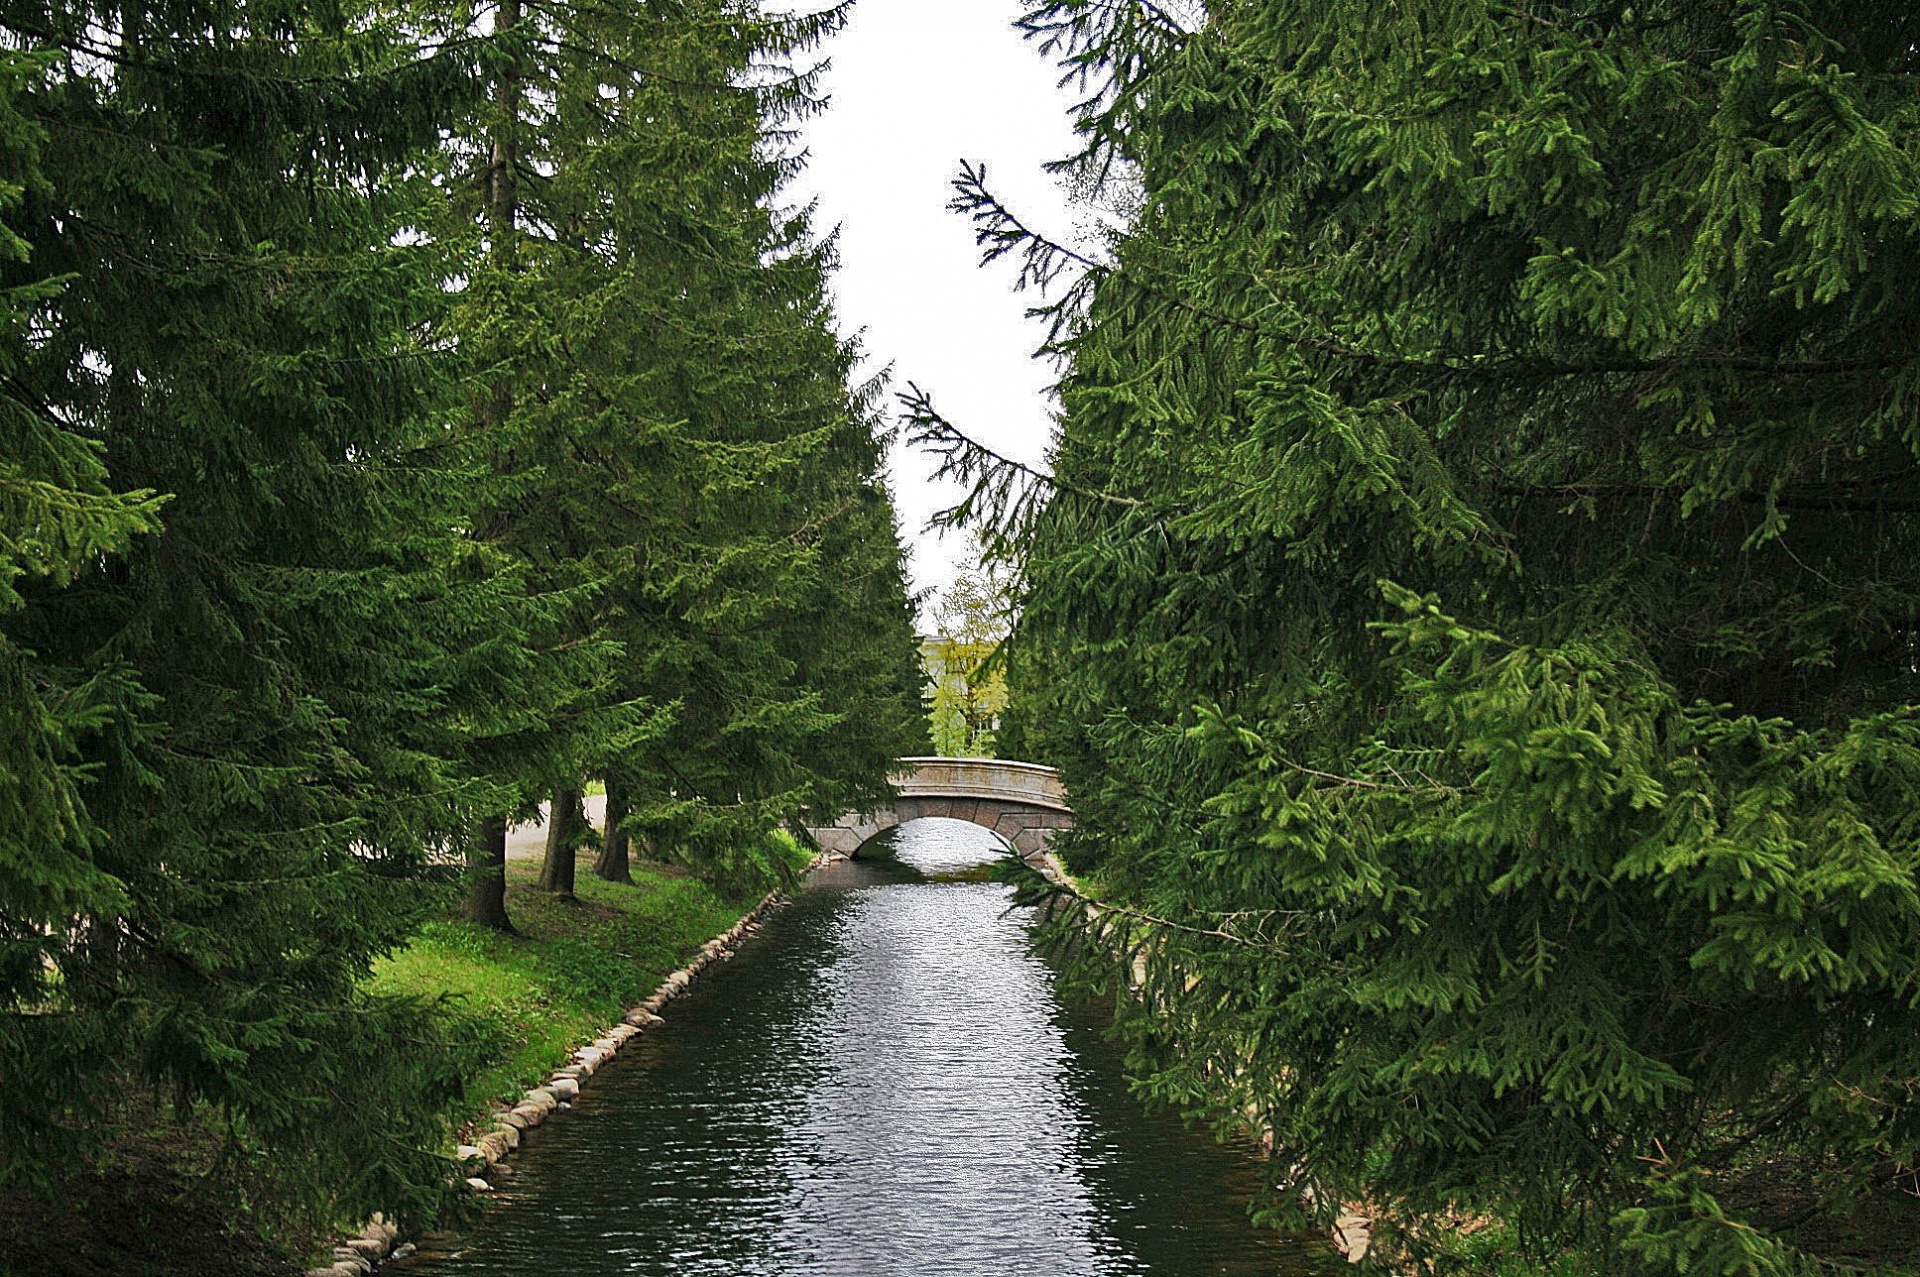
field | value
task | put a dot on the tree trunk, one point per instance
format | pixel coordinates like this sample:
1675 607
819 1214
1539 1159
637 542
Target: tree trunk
612 864
502 198
565 820
487 877
487 861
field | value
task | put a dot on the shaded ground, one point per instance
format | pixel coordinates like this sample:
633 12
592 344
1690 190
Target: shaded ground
1880 1232
147 1208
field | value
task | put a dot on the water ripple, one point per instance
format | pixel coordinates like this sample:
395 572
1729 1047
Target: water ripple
885 1083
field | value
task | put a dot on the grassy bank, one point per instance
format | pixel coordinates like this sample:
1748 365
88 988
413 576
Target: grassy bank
575 968
164 1195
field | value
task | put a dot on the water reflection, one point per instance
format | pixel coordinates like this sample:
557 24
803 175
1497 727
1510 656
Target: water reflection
884 1083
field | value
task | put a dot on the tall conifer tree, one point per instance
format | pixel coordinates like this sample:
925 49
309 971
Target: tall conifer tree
683 451
240 716
1475 606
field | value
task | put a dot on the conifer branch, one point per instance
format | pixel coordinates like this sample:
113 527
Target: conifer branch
1095 907
792 83
83 47
1000 233
994 481
635 70
1344 782
1787 499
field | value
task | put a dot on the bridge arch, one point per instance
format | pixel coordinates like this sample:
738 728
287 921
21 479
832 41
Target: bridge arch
1025 804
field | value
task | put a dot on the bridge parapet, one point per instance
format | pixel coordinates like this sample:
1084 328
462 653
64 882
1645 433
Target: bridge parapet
999 779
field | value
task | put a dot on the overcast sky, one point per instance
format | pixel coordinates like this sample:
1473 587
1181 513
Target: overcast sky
917 86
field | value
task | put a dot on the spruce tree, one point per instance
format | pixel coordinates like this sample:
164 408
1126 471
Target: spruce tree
236 763
518 181
58 515
681 451
1473 601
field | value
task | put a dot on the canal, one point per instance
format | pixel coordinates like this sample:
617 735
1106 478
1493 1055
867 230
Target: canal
884 1082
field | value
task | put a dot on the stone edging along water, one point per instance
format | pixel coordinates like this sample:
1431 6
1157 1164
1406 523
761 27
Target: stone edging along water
360 1255
380 1240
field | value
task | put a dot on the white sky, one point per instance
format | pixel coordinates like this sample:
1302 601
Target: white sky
917 86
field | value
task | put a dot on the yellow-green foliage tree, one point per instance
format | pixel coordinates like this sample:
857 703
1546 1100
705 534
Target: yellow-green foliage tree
967 687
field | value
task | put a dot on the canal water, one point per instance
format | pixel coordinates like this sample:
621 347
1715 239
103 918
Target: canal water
884 1082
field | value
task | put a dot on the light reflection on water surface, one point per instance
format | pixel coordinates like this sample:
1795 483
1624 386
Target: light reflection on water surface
884 1082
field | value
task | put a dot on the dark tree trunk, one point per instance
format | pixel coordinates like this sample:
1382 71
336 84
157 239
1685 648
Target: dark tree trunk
487 877
487 859
613 861
565 820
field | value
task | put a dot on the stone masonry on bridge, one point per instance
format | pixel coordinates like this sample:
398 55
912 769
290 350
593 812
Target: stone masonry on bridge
1024 803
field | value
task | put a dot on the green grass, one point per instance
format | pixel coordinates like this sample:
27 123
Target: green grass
574 970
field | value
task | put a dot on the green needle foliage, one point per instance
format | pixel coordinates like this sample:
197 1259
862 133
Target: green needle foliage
669 411
57 514
404 411
1474 605
231 770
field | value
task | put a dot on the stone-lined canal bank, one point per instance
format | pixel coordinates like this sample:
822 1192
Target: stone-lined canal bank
546 1010
884 1081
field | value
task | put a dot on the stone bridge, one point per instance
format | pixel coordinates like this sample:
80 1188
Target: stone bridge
1024 803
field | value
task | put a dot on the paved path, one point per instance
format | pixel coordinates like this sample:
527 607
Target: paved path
529 841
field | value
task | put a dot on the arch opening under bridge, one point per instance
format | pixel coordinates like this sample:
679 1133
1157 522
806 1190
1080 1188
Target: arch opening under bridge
1024 804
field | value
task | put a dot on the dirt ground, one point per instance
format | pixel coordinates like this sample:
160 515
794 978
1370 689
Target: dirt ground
1882 1230
140 1210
